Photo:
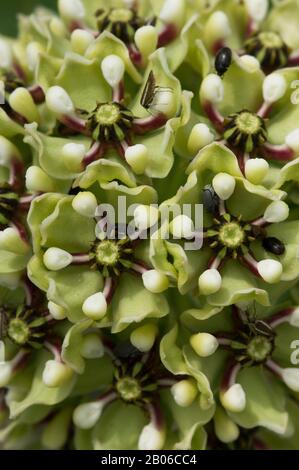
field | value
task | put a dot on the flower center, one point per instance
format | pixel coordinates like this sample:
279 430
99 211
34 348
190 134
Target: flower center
128 389
231 235
107 253
259 348
248 123
107 114
270 40
18 331
245 131
121 15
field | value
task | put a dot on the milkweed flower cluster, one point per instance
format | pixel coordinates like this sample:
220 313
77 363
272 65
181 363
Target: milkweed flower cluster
112 341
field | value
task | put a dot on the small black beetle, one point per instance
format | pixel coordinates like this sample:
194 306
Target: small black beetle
223 60
273 245
210 199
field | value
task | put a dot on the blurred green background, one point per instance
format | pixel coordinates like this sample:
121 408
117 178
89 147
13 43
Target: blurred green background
10 9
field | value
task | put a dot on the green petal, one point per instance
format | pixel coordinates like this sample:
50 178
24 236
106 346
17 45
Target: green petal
71 347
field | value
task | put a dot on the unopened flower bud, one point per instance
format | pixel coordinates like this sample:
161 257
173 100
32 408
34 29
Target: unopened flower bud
249 63
85 203
209 282
146 39
212 89
225 429
143 338
224 185
256 170
294 319
6 56
204 344
86 415
137 157
292 141
200 136
56 259
38 181
7 151
71 10
151 438
73 155
154 281
276 212
95 306
274 87
270 270
182 227
56 374
22 102
10 240
33 51
6 373
184 392
257 9
59 102
145 216
234 399
92 346
113 69
290 376
81 40
173 11
57 312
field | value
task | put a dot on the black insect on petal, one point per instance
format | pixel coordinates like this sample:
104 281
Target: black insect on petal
273 245
223 60
210 199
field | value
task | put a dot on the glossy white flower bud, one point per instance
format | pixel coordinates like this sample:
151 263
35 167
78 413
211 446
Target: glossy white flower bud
209 282
10 240
137 157
86 415
95 306
38 181
182 227
71 9
257 9
276 212
292 141
224 185
146 39
173 11
6 373
204 344
85 203
256 169
290 376
6 55
155 282
57 312
270 270
212 89
217 27
294 319
234 399
200 136
249 63
184 392
56 259
57 27
33 51
225 429
22 102
73 155
113 69
151 438
56 374
81 40
92 346
59 102
274 87
145 216
7 151
143 338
